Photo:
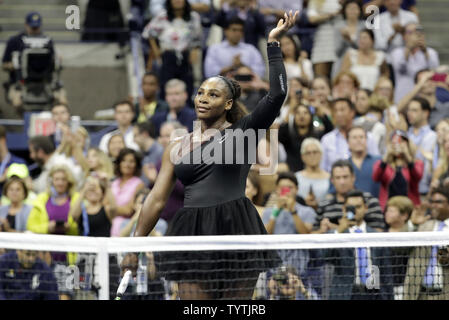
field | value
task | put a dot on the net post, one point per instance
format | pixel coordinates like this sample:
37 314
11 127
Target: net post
103 266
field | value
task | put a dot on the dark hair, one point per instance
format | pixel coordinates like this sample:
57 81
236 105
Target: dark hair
234 20
419 72
238 110
11 181
341 164
2 132
127 102
255 181
354 128
301 105
425 105
296 43
369 32
147 127
171 13
287 175
346 3
122 154
441 190
43 143
151 74
367 91
355 194
348 102
58 104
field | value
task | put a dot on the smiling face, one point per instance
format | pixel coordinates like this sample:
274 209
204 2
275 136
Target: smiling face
212 100
116 143
15 192
60 182
128 165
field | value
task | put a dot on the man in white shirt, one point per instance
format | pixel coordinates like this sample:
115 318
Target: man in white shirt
391 25
231 53
123 115
427 275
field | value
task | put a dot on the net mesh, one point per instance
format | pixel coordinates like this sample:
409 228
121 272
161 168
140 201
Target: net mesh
377 266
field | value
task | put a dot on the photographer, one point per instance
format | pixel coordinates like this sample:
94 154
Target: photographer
286 284
360 273
252 86
32 37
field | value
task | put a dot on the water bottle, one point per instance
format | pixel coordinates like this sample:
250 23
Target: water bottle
142 275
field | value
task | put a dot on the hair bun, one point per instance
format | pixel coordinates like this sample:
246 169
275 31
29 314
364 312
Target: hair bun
237 88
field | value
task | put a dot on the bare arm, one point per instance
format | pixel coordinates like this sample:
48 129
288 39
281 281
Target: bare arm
346 63
158 196
128 209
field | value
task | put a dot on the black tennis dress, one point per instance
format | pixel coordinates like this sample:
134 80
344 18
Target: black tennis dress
214 196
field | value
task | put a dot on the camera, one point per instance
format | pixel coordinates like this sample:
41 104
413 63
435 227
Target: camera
281 278
298 93
243 77
60 224
350 213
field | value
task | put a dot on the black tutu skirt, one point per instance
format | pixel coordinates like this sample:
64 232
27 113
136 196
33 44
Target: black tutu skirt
236 217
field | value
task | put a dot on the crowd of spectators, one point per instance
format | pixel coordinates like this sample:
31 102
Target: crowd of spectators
364 130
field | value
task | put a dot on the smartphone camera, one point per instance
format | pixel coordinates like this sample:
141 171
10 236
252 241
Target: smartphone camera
350 213
243 77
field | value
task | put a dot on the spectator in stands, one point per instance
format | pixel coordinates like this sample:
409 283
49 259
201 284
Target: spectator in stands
99 163
433 91
424 138
128 230
233 52
427 275
42 152
296 64
253 191
314 181
253 88
398 172
345 85
334 143
24 276
60 115
95 208
50 213
330 210
365 62
127 183
289 217
442 169
354 274
320 95
362 102
254 21
286 284
16 45
392 22
323 14
6 157
347 31
298 93
14 216
176 97
175 37
115 144
384 88
293 133
20 170
149 102
169 131
145 137
442 129
407 60
123 115
362 161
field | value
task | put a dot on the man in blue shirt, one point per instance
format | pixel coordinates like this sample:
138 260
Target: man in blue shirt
176 97
6 158
362 161
23 276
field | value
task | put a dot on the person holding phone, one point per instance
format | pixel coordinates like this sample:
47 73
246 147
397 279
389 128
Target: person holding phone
398 172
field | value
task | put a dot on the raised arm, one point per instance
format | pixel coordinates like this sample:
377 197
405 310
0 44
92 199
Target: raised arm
158 196
268 107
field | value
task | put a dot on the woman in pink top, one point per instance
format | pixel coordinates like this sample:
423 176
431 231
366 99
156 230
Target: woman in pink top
128 166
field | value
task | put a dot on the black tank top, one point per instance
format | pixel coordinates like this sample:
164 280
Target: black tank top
99 224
